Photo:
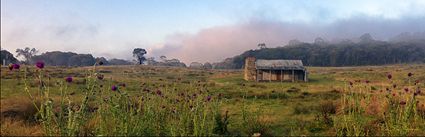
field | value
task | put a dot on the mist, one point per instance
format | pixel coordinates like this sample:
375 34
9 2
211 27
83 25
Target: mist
217 43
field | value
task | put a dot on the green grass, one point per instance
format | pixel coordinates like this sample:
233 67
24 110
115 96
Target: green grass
284 108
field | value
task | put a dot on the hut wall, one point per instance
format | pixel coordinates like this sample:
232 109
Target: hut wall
276 75
287 75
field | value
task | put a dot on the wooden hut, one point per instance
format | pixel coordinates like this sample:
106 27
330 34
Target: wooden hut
274 70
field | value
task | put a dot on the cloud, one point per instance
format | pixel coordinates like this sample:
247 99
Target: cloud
217 43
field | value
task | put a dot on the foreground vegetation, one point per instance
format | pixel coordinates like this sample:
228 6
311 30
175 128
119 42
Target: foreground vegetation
141 100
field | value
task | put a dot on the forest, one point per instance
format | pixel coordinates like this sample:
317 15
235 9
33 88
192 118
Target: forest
365 51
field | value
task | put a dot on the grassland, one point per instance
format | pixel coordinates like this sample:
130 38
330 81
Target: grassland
303 108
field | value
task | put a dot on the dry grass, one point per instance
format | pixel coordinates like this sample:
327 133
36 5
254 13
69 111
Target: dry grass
13 127
18 108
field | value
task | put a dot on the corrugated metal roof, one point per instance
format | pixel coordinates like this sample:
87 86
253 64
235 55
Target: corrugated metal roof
279 64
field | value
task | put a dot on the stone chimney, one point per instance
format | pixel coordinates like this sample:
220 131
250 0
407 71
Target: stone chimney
249 70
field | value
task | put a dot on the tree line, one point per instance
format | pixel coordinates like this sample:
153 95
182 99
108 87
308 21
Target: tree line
60 58
365 51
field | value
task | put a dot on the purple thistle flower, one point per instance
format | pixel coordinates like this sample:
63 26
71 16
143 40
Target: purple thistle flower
418 91
402 102
39 64
68 79
114 88
410 74
10 67
209 98
389 76
100 77
16 66
159 92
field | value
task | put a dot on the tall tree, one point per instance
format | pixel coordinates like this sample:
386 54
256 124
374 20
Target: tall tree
262 45
27 53
139 54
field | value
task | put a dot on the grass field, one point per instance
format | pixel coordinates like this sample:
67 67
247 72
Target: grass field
326 105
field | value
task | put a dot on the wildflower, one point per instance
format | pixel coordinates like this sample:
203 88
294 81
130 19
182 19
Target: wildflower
394 94
418 91
100 77
351 83
159 92
410 74
389 76
406 89
122 85
367 81
68 79
394 85
39 64
209 98
402 102
16 66
114 88
416 82
10 67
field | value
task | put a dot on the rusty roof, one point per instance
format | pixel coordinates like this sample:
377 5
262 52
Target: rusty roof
279 64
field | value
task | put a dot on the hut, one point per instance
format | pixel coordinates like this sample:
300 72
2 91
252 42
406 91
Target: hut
274 70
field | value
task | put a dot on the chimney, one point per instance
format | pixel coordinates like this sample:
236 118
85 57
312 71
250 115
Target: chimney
249 70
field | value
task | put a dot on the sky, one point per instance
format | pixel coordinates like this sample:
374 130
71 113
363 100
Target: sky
197 30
